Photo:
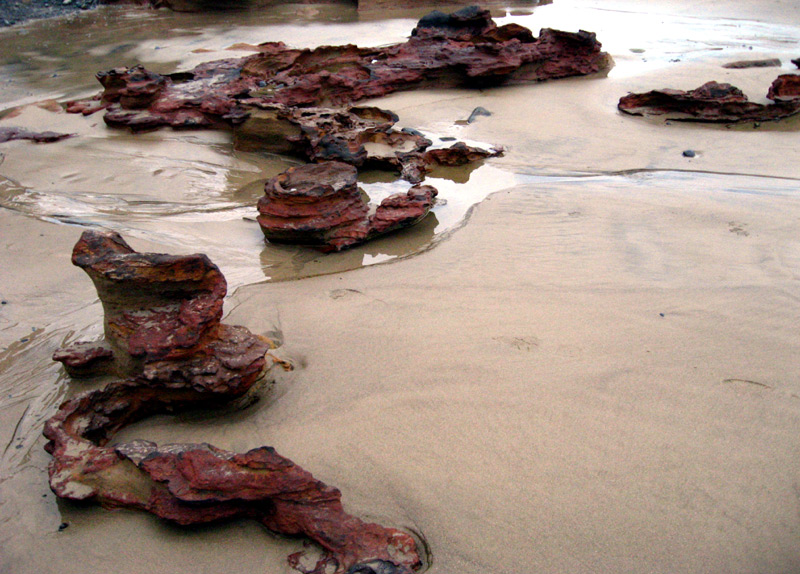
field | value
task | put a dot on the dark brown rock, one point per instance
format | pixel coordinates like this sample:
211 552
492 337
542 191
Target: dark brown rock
12 133
744 64
157 307
712 102
362 137
162 322
402 210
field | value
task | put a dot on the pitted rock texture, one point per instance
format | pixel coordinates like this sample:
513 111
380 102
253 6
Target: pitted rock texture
162 327
716 102
321 205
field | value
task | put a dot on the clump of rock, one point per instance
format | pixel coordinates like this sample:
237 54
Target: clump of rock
163 331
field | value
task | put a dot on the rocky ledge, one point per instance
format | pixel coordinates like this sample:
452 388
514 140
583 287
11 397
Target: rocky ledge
162 329
717 102
463 49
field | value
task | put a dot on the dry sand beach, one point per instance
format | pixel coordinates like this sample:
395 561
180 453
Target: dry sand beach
587 362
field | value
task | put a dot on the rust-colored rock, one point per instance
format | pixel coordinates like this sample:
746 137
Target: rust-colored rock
785 89
402 210
363 137
715 102
305 204
162 328
464 49
321 205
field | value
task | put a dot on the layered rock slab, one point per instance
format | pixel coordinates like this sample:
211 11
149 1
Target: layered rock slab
162 327
320 205
716 102
464 49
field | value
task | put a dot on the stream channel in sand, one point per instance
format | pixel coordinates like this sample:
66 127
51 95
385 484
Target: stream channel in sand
594 370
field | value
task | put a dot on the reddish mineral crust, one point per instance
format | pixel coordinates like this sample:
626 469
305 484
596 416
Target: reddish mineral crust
462 49
162 327
716 102
321 205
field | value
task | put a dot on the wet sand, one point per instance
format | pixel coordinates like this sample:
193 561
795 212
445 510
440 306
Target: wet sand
593 369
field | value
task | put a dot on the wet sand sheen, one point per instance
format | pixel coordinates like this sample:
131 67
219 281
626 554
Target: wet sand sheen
595 372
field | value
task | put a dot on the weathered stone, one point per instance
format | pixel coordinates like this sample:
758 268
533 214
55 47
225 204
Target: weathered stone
305 204
162 321
713 102
13 133
785 89
464 49
402 210
744 64
133 87
360 136
85 358
321 205
325 134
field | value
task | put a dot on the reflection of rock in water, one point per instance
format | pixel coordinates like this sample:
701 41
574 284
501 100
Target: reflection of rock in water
287 262
162 328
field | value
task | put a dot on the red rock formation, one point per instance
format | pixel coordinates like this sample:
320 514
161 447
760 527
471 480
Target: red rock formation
785 89
321 205
162 327
715 102
360 136
465 49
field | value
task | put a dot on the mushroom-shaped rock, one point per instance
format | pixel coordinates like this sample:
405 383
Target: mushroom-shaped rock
162 328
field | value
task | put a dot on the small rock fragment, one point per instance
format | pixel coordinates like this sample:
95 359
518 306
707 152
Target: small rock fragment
477 112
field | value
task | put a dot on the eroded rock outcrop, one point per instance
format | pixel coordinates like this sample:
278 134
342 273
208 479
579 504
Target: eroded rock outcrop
717 102
321 205
363 137
464 49
300 102
162 327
